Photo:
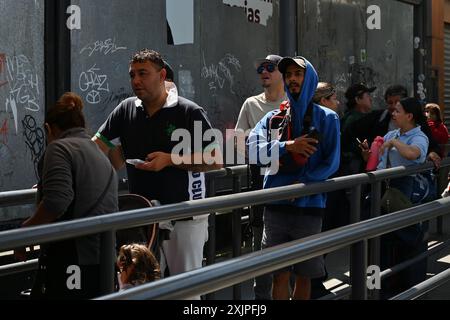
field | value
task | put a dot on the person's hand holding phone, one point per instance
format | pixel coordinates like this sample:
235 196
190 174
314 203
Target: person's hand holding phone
365 150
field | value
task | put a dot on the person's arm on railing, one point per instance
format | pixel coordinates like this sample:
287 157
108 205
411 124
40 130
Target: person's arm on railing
41 216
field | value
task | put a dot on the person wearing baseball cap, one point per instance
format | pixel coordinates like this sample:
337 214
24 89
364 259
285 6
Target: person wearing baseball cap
359 104
254 109
358 97
314 135
170 75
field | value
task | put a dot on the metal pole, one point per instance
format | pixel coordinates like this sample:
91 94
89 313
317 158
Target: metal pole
358 252
211 255
211 227
57 50
107 261
374 244
358 271
355 204
288 27
443 176
237 234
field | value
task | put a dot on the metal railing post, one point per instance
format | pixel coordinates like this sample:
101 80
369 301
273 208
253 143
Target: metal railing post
374 244
211 249
237 234
442 176
211 253
107 261
358 251
358 271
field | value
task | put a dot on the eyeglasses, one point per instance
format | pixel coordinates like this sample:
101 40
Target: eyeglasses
269 67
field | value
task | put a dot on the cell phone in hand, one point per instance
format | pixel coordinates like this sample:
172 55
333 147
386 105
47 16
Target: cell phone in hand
314 134
134 161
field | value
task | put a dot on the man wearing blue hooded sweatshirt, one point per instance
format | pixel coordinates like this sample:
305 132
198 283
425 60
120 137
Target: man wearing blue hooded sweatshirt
310 152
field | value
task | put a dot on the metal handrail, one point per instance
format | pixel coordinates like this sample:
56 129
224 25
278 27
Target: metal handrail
236 270
27 196
432 250
424 287
133 218
17 197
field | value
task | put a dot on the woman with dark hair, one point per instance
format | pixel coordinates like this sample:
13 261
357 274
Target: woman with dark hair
438 129
77 181
404 146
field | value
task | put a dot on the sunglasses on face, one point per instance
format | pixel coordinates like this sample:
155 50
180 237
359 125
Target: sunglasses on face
269 67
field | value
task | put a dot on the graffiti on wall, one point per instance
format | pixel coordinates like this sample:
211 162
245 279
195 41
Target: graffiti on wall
34 140
104 47
93 83
222 74
23 85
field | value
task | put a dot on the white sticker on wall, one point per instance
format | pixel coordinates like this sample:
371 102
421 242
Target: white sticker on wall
180 19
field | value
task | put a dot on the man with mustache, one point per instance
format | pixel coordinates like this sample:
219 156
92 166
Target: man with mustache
309 154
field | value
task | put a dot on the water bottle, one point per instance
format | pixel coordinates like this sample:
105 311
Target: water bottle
373 160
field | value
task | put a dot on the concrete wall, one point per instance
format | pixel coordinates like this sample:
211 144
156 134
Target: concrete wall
213 64
22 84
335 37
216 70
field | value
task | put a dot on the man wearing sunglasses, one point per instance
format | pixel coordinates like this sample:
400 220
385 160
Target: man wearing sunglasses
256 107
253 110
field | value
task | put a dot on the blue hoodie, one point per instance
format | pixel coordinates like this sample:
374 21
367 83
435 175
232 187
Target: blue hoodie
322 164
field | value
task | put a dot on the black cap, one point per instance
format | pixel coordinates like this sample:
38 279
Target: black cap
286 61
271 58
170 74
357 89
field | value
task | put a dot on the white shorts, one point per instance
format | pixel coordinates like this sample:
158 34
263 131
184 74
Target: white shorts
184 251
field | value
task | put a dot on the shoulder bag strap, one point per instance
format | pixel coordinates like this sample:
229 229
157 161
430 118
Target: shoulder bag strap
99 199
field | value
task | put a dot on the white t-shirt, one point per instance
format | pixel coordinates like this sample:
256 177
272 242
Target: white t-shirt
254 109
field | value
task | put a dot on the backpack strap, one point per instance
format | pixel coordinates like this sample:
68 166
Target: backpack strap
284 117
308 118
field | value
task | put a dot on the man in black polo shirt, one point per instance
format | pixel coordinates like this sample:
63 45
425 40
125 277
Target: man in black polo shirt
145 124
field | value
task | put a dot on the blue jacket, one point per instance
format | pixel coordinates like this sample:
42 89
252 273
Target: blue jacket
322 164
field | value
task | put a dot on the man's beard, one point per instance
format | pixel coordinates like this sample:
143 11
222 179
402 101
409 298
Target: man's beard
295 95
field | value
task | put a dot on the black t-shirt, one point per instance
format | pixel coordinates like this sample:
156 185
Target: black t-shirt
140 135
